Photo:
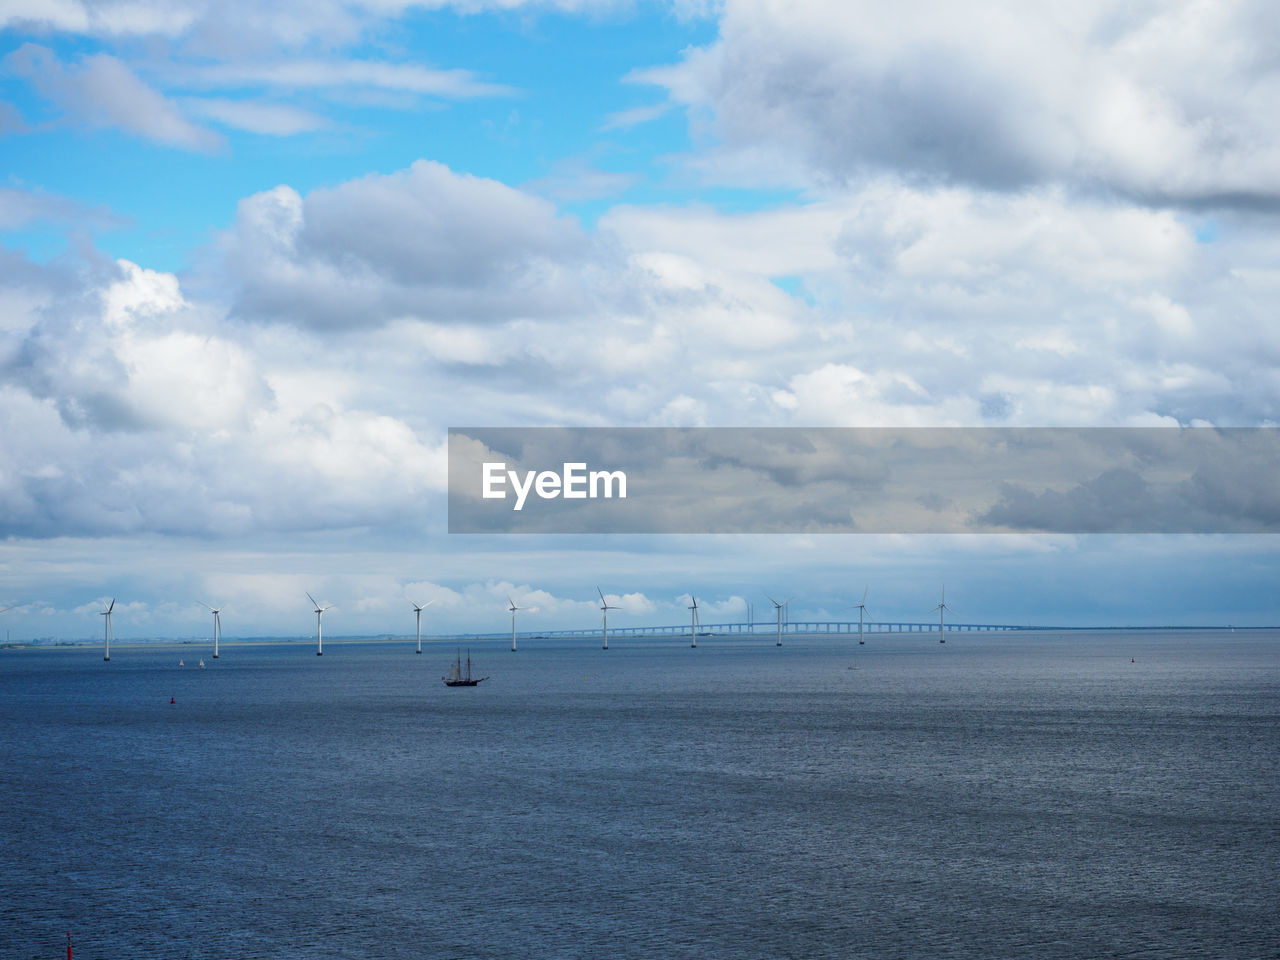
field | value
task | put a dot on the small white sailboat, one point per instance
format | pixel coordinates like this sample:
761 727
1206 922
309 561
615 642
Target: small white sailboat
181 664
201 663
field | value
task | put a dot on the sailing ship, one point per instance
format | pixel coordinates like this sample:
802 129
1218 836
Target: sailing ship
457 678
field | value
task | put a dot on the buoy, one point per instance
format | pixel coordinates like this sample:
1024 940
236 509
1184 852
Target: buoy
1131 660
171 700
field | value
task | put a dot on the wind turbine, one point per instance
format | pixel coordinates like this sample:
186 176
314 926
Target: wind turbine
106 628
604 622
418 610
778 607
942 627
693 621
12 606
217 626
861 608
513 608
319 630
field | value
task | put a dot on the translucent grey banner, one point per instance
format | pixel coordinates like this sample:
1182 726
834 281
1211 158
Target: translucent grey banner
863 480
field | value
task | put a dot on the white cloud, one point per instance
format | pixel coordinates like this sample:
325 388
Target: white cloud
256 116
237 24
405 307
101 91
20 207
1173 318
842 395
635 116
99 19
132 411
575 180
291 75
1165 100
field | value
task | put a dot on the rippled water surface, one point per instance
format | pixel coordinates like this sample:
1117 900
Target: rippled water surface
999 796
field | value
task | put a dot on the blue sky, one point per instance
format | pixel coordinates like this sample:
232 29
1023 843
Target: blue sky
549 89
255 260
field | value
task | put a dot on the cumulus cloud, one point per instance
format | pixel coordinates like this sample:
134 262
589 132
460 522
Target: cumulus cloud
399 301
932 305
425 242
101 91
1166 101
128 409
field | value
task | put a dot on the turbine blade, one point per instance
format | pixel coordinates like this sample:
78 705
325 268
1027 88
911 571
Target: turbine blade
601 592
773 601
113 605
427 604
864 594
312 599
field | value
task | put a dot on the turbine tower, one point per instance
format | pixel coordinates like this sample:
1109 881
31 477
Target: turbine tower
778 607
106 628
942 627
513 608
217 626
604 622
861 608
12 606
693 621
417 609
319 630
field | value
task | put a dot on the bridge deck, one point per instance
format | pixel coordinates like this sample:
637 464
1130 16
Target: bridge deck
794 628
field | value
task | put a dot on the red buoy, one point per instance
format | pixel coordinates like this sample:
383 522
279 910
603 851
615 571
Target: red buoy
171 700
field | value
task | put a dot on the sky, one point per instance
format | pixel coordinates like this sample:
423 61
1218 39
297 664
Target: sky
256 259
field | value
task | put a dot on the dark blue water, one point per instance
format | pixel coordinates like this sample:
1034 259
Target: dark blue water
999 796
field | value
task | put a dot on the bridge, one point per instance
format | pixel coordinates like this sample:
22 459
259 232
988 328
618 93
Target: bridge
794 628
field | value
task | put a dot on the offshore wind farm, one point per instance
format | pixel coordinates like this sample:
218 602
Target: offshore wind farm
781 626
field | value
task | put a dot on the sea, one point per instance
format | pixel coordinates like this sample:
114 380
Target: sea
1083 794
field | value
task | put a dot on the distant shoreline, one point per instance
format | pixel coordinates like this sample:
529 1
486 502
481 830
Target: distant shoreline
160 644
